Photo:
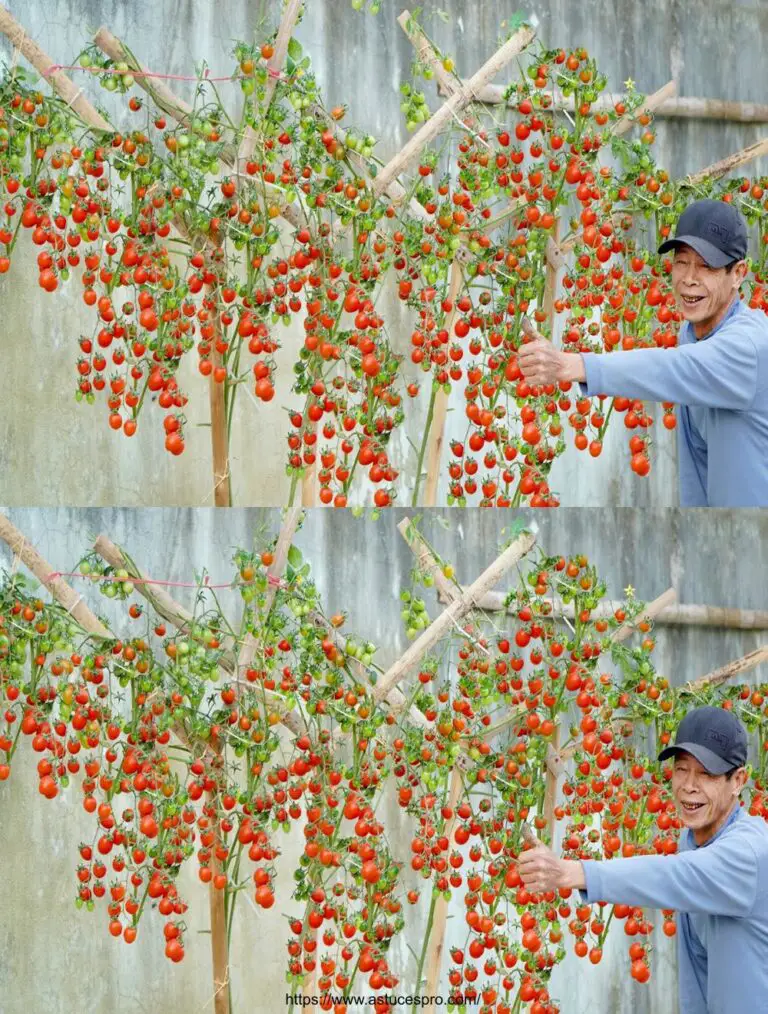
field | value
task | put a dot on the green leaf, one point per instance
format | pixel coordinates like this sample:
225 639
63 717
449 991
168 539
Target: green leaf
294 557
516 529
294 49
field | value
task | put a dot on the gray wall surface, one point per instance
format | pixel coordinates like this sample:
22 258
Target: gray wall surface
712 557
360 60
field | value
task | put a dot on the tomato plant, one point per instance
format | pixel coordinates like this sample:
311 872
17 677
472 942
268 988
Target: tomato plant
114 207
487 702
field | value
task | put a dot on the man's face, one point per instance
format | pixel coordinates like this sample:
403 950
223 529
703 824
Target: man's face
703 293
703 800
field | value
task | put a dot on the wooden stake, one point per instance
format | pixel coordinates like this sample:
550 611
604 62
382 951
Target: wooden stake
58 80
554 767
725 165
466 601
726 672
554 262
222 490
156 88
447 83
465 94
673 614
275 69
440 410
671 108
64 594
651 104
650 612
219 943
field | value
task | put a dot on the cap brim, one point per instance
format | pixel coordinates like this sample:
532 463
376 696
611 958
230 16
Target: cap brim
714 257
714 764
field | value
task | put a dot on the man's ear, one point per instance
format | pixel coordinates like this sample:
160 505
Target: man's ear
740 272
740 779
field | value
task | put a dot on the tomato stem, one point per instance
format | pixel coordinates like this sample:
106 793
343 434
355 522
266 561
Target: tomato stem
427 935
424 440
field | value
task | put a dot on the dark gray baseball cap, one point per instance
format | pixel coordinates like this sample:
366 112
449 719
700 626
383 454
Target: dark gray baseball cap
716 230
715 737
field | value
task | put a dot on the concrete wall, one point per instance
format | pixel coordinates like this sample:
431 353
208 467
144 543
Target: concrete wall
55 958
360 60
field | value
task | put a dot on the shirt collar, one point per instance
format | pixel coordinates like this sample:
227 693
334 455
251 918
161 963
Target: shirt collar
735 307
734 815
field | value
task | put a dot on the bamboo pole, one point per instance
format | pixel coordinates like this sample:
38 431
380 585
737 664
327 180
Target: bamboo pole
274 70
725 165
436 426
726 672
64 594
156 88
671 108
222 489
219 945
554 767
554 262
440 409
463 96
650 105
674 614
58 80
464 602
650 612
447 83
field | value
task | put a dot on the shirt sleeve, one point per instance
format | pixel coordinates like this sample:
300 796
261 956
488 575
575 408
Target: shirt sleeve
719 372
717 879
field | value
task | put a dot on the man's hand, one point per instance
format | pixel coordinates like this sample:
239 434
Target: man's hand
541 363
541 870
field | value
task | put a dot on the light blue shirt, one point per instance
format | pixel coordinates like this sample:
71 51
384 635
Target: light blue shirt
720 890
720 382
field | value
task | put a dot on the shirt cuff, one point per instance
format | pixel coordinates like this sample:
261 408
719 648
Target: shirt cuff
593 880
593 371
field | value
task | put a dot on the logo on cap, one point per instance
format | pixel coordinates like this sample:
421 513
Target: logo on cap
719 737
720 230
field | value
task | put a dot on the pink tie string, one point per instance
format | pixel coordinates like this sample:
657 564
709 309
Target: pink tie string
147 73
271 579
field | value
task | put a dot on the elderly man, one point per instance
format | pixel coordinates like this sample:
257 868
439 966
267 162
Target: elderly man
717 881
717 374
